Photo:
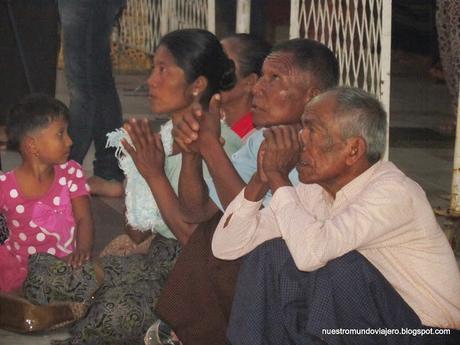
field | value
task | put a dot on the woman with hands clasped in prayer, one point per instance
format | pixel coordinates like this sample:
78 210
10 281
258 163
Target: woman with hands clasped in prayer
248 53
189 67
172 63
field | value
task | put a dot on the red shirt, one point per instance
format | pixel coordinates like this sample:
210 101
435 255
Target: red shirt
244 125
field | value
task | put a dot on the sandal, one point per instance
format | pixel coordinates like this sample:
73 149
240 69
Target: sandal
161 334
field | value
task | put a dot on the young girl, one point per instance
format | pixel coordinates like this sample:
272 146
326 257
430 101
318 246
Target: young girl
45 199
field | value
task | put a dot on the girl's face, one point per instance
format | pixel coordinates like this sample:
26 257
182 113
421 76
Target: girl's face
169 91
52 143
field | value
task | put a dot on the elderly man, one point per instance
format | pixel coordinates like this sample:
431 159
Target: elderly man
294 72
196 300
355 246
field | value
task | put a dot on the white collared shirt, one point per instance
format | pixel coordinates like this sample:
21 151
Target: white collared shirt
382 213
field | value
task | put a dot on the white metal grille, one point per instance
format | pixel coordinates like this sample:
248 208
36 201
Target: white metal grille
145 21
353 30
140 25
359 33
186 14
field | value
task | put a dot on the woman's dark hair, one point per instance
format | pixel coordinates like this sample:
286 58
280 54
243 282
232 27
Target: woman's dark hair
251 53
33 112
199 53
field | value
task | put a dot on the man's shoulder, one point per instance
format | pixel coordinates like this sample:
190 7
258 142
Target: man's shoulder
251 146
255 139
232 141
388 170
245 159
388 174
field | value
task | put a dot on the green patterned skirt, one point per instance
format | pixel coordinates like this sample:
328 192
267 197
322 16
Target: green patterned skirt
121 307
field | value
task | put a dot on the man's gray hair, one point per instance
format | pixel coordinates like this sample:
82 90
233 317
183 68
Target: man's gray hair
361 114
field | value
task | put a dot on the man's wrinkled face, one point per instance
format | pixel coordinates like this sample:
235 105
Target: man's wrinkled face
323 150
280 93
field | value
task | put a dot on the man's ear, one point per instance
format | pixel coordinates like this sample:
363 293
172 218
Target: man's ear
311 93
199 86
356 150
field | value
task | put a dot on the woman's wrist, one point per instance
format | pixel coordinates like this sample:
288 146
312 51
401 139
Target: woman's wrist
211 148
156 177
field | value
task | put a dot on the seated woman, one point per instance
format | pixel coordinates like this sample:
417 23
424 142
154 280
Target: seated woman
248 53
189 66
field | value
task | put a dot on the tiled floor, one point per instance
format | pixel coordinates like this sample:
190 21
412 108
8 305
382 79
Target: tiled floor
416 102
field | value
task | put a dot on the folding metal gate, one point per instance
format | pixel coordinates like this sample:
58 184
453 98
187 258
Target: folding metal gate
145 21
359 33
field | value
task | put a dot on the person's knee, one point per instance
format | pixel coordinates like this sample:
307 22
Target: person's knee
352 270
348 261
273 253
273 245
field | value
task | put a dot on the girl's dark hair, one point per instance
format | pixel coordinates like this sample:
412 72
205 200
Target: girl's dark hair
251 53
33 112
199 53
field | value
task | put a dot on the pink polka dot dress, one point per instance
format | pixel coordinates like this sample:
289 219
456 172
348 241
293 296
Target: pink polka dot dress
41 225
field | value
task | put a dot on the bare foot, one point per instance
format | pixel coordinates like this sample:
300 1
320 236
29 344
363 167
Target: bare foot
108 188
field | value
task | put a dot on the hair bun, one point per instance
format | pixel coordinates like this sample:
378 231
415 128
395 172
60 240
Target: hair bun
228 79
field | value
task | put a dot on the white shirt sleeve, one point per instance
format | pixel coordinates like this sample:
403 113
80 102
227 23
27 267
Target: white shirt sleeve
378 210
242 228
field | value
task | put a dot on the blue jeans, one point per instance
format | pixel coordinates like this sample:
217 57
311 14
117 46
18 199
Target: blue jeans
95 108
